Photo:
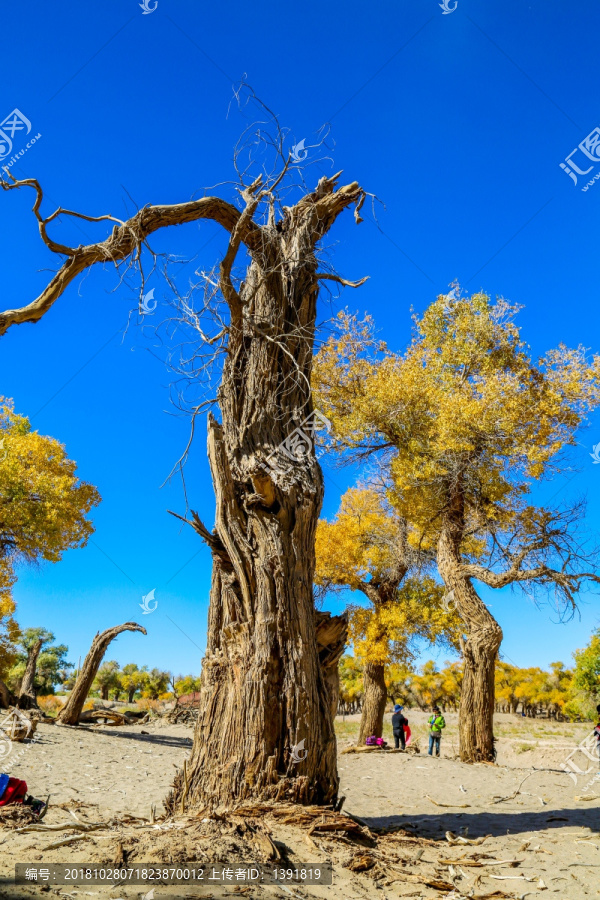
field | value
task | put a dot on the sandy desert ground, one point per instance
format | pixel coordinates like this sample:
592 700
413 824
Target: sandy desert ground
542 841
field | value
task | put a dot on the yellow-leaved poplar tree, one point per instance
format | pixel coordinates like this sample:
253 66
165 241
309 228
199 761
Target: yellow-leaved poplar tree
43 508
368 548
467 422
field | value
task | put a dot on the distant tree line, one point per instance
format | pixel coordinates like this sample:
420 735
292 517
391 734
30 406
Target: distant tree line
53 673
559 693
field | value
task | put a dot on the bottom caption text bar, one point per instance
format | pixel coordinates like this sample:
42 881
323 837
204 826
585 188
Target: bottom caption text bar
194 873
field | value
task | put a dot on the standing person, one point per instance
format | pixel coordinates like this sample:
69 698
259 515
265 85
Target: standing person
597 733
436 723
398 723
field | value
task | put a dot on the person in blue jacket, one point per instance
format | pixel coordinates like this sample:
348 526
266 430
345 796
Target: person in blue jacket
398 723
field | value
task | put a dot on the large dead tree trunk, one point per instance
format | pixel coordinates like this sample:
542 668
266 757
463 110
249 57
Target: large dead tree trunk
263 687
374 701
69 714
27 696
479 648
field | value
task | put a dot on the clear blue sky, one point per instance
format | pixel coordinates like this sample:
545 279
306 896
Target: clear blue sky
457 122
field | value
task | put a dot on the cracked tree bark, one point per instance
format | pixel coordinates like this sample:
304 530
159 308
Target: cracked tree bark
375 699
479 648
264 689
69 714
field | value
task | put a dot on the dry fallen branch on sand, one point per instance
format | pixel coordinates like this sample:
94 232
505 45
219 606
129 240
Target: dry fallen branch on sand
458 839
479 862
71 840
106 717
512 796
74 826
448 805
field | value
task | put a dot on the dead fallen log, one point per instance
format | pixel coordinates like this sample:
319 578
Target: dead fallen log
106 717
412 748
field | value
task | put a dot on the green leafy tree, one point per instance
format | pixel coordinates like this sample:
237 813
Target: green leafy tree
48 669
155 684
107 678
586 677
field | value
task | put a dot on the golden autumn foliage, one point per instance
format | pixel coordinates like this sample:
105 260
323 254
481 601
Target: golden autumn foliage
360 549
43 506
360 543
464 398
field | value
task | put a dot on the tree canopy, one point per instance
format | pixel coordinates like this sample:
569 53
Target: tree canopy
465 404
43 504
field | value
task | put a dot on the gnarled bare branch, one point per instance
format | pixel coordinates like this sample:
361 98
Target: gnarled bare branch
331 277
125 239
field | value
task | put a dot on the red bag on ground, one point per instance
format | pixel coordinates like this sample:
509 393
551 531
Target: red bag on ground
15 792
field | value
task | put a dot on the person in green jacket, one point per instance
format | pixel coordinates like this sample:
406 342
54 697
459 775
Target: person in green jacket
436 723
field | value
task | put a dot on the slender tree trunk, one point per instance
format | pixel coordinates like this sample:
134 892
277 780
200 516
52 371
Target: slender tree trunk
103 692
375 698
69 714
480 648
264 689
27 696
332 634
7 698
130 696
